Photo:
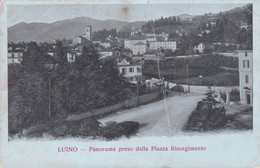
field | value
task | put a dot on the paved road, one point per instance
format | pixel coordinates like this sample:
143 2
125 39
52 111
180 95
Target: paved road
154 118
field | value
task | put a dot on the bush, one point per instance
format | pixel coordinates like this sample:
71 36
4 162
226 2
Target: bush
86 127
178 88
234 95
208 116
114 130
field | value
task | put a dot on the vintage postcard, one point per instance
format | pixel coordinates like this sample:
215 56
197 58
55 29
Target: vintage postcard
129 84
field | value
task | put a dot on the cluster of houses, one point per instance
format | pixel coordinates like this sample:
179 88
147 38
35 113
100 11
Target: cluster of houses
139 47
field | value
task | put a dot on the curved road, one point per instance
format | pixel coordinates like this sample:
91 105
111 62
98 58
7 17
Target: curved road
153 116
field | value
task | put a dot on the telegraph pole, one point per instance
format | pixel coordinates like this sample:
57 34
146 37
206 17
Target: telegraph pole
137 92
187 67
49 99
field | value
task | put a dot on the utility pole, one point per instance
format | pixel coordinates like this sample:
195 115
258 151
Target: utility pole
137 92
187 67
49 99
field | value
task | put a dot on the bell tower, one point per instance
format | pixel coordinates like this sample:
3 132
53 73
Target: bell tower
88 32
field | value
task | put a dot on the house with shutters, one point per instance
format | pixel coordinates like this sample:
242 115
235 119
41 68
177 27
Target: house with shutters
245 58
132 71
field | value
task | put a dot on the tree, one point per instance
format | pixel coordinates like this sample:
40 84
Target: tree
210 100
59 53
32 55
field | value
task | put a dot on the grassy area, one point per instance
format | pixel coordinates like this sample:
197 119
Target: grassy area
220 79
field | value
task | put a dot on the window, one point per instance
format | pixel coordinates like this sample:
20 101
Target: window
131 69
246 78
246 54
247 63
244 63
124 71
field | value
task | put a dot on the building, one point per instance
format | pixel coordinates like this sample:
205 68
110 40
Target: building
199 48
185 18
15 56
181 31
131 71
150 55
171 45
164 35
15 53
106 53
211 24
88 32
79 40
139 48
126 52
71 56
105 44
245 58
205 31
130 42
150 37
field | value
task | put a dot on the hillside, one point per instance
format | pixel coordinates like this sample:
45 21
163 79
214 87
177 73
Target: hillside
137 24
191 23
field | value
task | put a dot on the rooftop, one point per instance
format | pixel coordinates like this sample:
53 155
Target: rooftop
139 43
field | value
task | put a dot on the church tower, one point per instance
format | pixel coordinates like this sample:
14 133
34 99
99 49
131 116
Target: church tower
88 32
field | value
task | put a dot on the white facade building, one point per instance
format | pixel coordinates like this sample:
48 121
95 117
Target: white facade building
150 55
139 48
163 45
15 57
105 44
130 71
200 48
129 43
106 53
71 56
246 76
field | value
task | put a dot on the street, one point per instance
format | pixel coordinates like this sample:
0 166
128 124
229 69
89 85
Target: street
153 116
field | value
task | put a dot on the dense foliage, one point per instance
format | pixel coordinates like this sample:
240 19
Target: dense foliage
103 34
208 115
161 22
226 29
38 94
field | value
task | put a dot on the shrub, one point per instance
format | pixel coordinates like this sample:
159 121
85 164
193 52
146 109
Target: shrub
110 130
208 116
128 128
114 130
234 95
178 88
86 127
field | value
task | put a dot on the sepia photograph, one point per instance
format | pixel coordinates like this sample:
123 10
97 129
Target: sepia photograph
108 72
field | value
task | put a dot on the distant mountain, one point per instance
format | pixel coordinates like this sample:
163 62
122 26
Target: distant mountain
68 29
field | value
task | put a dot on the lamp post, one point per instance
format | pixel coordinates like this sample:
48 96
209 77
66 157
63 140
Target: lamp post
200 76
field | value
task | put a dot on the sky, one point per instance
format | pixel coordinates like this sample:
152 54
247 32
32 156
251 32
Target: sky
130 13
